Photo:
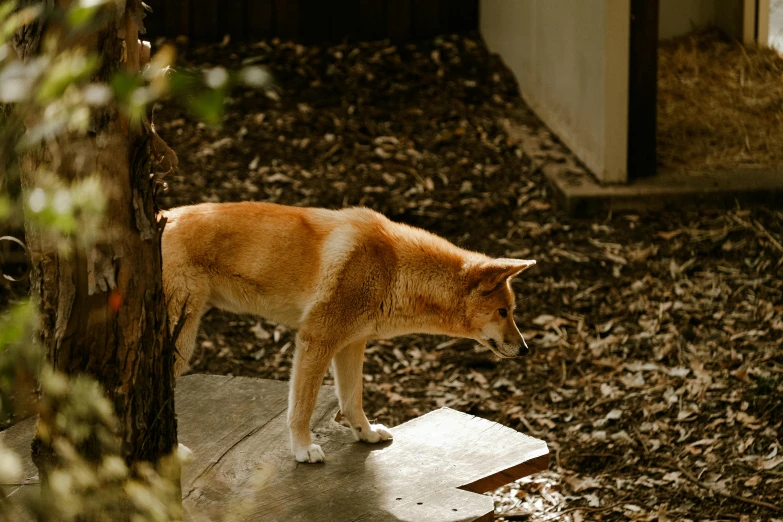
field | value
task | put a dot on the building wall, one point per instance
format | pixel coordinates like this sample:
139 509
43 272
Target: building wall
776 24
570 58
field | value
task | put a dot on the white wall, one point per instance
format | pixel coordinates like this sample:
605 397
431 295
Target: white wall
570 58
776 24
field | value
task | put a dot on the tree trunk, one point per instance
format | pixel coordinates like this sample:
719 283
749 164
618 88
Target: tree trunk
103 311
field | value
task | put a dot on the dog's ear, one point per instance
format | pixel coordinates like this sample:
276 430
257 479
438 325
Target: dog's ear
488 276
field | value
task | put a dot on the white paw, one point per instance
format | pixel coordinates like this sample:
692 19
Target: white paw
312 454
376 433
184 454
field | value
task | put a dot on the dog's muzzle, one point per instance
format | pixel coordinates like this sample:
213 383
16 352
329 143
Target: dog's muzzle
522 350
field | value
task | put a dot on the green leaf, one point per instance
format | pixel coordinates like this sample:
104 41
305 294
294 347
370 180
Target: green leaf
6 9
68 69
124 85
14 323
79 16
182 82
208 106
5 207
11 20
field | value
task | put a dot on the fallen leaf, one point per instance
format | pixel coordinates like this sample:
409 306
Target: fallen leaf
753 481
771 463
672 476
669 235
582 484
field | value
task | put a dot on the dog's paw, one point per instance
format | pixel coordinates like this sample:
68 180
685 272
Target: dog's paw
376 433
312 454
184 454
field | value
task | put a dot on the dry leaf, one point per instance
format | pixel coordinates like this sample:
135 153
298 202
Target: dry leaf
753 481
669 235
771 463
583 484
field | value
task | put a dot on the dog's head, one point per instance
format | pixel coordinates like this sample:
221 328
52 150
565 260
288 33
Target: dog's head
490 306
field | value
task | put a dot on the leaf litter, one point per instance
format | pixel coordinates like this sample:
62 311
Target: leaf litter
656 372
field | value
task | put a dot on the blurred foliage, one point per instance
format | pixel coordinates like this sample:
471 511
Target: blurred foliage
50 96
21 361
74 414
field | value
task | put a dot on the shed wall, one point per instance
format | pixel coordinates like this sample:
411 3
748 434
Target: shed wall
570 58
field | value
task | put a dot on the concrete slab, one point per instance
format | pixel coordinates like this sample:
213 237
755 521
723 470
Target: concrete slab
582 195
436 467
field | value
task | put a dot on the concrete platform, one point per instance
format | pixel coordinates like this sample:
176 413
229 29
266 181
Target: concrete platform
436 467
582 195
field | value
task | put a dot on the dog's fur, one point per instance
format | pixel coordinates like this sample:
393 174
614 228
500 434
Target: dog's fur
340 278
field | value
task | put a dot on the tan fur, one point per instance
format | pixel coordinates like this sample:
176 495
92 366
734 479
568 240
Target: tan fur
341 278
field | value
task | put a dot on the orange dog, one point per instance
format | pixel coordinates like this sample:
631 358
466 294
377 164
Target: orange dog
341 278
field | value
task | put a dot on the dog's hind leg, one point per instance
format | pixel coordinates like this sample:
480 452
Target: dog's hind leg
184 317
347 368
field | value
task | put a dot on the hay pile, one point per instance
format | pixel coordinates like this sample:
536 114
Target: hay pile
720 104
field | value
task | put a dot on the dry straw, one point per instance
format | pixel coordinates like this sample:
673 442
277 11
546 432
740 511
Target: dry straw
720 104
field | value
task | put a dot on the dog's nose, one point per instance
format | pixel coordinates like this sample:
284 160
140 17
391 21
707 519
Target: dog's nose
523 349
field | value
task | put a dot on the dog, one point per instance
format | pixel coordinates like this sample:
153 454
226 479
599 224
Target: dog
340 278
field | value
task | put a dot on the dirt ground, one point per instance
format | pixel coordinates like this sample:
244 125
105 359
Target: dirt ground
656 372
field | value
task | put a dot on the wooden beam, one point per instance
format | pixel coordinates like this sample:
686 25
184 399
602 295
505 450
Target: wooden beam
398 16
232 20
289 16
459 16
204 20
177 18
155 22
344 19
617 30
426 18
372 19
643 88
260 19
749 21
762 22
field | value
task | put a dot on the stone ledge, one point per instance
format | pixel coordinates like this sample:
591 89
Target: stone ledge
582 195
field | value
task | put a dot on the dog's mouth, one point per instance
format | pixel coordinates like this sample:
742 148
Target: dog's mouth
493 345
497 350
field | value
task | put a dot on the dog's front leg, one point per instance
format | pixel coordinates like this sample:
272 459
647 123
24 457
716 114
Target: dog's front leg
347 367
311 359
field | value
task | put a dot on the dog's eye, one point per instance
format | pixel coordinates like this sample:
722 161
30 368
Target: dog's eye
503 312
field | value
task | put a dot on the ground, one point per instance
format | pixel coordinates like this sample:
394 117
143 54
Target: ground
656 372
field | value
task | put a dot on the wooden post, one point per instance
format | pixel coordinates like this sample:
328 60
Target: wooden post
762 22
643 88
398 16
